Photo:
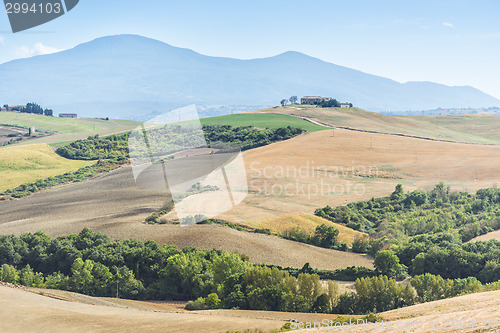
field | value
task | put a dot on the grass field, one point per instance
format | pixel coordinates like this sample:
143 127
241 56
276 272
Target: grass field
306 222
67 129
475 128
24 164
62 125
261 121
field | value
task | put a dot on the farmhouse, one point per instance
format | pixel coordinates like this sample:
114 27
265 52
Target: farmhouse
3 108
312 100
345 105
68 115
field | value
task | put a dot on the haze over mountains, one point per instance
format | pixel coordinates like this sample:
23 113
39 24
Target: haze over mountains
129 76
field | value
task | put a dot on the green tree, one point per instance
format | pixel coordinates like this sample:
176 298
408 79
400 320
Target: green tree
325 236
212 301
398 193
9 274
386 262
28 278
82 279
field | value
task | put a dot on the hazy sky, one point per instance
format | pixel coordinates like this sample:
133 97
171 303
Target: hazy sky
451 42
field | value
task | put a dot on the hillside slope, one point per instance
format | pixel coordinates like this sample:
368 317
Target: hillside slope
323 168
478 312
113 205
23 311
61 311
25 164
308 223
65 129
476 128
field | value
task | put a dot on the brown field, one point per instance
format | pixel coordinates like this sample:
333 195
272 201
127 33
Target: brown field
24 311
489 236
457 314
6 131
280 224
286 178
334 168
112 204
473 128
41 310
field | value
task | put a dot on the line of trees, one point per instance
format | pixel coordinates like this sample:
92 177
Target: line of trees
31 108
418 213
324 236
292 100
90 263
380 293
173 138
428 232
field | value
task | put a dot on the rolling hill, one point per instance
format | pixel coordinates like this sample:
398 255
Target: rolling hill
114 205
338 167
133 77
59 311
65 130
471 128
262 120
307 223
25 164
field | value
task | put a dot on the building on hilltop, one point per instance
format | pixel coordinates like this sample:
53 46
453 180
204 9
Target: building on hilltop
68 115
345 105
313 100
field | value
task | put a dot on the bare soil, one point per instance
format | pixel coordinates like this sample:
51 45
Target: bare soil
24 311
112 204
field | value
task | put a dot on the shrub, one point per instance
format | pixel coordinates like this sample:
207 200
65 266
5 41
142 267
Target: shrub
198 304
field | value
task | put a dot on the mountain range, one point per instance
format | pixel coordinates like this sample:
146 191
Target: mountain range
134 77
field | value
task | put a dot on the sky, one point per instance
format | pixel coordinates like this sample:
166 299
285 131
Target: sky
450 42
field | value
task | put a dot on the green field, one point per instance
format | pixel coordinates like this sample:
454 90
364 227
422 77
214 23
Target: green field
61 125
67 130
261 120
25 164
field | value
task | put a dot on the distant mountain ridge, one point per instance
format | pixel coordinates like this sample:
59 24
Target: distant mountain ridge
130 76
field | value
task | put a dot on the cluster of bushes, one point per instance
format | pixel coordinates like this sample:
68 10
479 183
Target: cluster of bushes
228 138
33 108
324 236
433 287
68 177
96 147
195 189
172 138
87 277
443 254
90 263
155 218
416 213
380 293
375 294
342 274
